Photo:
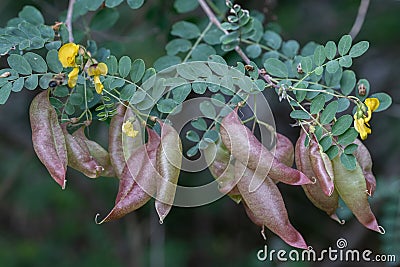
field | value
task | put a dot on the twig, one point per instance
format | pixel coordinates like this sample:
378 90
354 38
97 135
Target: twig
211 16
68 21
362 12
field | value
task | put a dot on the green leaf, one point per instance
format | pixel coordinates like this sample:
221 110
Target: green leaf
344 44
350 149
192 151
167 105
346 61
347 82
165 62
18 84
299 115
138 96
347 137
199 87
76 99
332 66
213 36
276 68
32 82
183 6
384 101
306 64
329 112
253 51
32 15
342 124
53 45
344 104
330 50
186 30
113 3
273 39
150 72
45 80
211 136
326 142
137 71
333 79
319 55
37 62
359 49
178 45
19 64
93 5
332 152
61 91
199 124
202 52
124 66
317 104
5 93
135 4
290 48
230 38
319 70
53 62
181 92
192 136
127 92
112 65
207 109
104 19
349 161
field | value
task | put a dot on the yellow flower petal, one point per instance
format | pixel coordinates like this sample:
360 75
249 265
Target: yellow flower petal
362 128
127 128
97 69
98 85
372 103
73 77
67 54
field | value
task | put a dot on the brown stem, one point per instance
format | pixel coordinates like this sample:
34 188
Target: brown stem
362 12
68 21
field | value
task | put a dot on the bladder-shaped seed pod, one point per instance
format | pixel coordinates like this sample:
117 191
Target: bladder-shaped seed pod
121 147
245 147
48 138
364 159
137 182
314 192
266 204
79 157
352 188
284 151
98 153
169 160
322 167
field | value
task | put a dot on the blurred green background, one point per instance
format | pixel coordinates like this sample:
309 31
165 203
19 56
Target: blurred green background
40 225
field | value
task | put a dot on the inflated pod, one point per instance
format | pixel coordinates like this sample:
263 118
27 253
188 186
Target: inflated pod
364 159
245 147
314 192
284 151
98 153
137 182
120 147
267 206
79 157
169 160
352 188
48 138
322 167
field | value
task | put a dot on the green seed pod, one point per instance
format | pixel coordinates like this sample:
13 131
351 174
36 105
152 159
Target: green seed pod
48 138
120 146
169 160
352 188
79 157
364 159
314 192
98 153
137 183
245 147
267 205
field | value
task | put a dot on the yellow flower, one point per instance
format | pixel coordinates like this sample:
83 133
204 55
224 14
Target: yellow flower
67 54
96 70
363 116
127 128
73 77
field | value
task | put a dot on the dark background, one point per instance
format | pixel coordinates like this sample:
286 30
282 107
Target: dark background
40 225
